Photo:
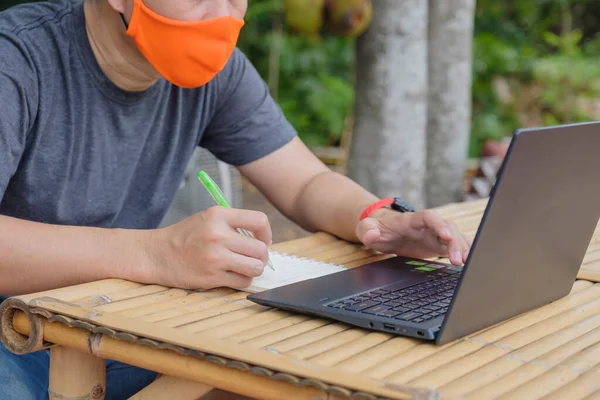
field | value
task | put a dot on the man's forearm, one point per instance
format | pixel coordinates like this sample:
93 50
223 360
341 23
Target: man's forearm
37 257
332 203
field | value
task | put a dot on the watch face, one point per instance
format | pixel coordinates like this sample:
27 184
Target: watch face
402 206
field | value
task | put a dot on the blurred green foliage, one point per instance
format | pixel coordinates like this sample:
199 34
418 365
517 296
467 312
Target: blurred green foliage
534 62
314 74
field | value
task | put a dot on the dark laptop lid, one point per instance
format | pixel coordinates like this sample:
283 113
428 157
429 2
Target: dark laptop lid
535 231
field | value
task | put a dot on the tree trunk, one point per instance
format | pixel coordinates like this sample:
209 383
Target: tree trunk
387 154
449 105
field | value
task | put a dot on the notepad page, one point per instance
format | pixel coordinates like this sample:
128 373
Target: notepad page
290 269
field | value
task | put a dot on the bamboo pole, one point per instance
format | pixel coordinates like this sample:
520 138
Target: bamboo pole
174 364
388 350
196 305
76 375
314 335
556 378
13 340
264 319
168 387
589 275
303 243
169 306
526 363
340 353
313 349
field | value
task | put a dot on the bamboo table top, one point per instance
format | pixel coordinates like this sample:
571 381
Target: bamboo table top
552 352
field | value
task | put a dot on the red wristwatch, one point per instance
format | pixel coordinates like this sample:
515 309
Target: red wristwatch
395 203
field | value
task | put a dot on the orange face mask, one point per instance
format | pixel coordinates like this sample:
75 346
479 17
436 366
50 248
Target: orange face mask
186 53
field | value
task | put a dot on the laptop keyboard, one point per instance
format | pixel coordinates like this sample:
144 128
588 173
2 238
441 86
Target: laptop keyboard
417 303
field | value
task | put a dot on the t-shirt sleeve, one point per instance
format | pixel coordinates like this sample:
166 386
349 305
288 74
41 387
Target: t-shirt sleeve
17 99
247 124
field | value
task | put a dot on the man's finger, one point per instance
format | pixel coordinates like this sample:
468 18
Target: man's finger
255 222
368 231
236 281
435 245
245 266
468 242
431 220
455 246
247 246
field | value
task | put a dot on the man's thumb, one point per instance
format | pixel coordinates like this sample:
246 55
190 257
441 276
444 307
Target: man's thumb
368 231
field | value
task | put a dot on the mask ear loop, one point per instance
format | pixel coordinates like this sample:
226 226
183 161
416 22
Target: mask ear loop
124 21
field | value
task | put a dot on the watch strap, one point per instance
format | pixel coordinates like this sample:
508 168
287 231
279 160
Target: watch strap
376 206
395 203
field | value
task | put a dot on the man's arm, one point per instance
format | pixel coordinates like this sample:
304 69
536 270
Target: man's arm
201 252
38 256
249 131
308 192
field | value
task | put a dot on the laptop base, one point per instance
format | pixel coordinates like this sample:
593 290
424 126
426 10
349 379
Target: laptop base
399 295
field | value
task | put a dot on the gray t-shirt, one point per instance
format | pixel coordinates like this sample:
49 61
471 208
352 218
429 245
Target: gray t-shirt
75 149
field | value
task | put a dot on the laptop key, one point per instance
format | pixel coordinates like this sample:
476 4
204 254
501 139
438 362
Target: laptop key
375 310
396 286
388 313
408 316
361 306
417 320
380 291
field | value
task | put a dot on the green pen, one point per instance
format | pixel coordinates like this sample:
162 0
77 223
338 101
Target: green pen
219 197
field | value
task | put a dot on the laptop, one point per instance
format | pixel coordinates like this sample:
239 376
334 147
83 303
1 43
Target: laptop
529 246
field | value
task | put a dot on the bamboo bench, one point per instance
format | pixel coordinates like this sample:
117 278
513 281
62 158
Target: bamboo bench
219 339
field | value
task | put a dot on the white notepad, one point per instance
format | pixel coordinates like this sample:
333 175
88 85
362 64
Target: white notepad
290 269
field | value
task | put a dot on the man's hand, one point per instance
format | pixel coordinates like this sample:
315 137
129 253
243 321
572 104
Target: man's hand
421 234
206 250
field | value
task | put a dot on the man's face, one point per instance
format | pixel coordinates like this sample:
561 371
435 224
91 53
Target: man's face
187 10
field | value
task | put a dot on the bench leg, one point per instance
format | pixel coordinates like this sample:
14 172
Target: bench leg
76 375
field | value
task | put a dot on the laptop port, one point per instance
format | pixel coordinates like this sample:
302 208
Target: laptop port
389 327
420 333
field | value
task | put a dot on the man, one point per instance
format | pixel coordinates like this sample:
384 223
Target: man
103 103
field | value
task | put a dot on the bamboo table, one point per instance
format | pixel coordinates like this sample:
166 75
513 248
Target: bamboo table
219 338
